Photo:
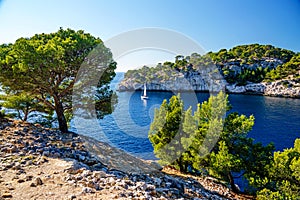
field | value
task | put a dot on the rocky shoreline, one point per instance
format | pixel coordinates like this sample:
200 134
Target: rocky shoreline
281 88
213 78
41 163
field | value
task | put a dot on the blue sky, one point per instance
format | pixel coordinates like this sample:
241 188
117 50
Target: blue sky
213 24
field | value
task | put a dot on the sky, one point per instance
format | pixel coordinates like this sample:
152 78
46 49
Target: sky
212 24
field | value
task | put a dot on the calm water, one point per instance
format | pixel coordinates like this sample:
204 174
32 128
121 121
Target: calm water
276 119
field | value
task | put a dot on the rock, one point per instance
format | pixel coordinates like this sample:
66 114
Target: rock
150 187
21 181
28 178
283 88
212 79
87 190
73 196
38 181
32 184
177 81
99 174
7 195
157 181
257 88
235 89
111 181
141 185
81 157
45 153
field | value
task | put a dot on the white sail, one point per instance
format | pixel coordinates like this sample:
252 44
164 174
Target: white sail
144 96
145 90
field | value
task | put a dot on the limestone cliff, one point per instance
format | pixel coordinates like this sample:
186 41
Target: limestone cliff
212 78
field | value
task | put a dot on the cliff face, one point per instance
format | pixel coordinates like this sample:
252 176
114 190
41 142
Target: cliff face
213 79
167 79
282 88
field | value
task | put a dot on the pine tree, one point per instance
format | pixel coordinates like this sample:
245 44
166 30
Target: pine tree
165 132
284 175
22 103
209 141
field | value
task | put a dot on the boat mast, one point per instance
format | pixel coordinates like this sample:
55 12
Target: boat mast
145 93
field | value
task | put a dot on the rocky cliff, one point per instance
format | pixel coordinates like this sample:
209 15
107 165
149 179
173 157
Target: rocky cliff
203 80
214 79
282 88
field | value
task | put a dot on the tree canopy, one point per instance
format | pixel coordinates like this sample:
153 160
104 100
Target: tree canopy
251 52
206 141
45 67
290 68
240 64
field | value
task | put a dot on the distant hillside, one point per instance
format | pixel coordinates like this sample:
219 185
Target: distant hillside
254 68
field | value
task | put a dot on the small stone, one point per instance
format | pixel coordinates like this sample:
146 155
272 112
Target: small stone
86 173
87 190
46 153
99 174
121 195
112 181
56 155
21 181
150 187
7 195
28 178
157 181
25 129
81 157
38 181
141 185
168 184
32 184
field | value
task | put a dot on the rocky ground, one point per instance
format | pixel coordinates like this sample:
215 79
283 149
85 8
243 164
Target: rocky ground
40 163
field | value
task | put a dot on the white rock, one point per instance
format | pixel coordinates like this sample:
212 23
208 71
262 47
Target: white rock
235 89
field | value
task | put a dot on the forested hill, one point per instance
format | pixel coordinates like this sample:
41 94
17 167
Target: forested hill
251 68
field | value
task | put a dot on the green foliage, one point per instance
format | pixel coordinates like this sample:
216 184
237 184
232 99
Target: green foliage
165 130
205 132
284 175
148 74
242 56
290 68
45 67
249 54
23 104
187 141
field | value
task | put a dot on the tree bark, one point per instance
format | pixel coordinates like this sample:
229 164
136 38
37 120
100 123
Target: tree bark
26 114
231 181
62 122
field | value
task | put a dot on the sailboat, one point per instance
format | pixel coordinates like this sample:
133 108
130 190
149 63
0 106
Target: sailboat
144 96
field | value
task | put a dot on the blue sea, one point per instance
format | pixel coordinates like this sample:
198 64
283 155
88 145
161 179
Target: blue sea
277 120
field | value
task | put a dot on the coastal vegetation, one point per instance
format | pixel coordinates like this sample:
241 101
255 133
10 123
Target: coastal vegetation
38 76
38 73
206 142
253 63
290 69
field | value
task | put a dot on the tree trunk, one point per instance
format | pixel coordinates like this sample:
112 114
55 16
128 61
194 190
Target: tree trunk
62 122
26 112
231 181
